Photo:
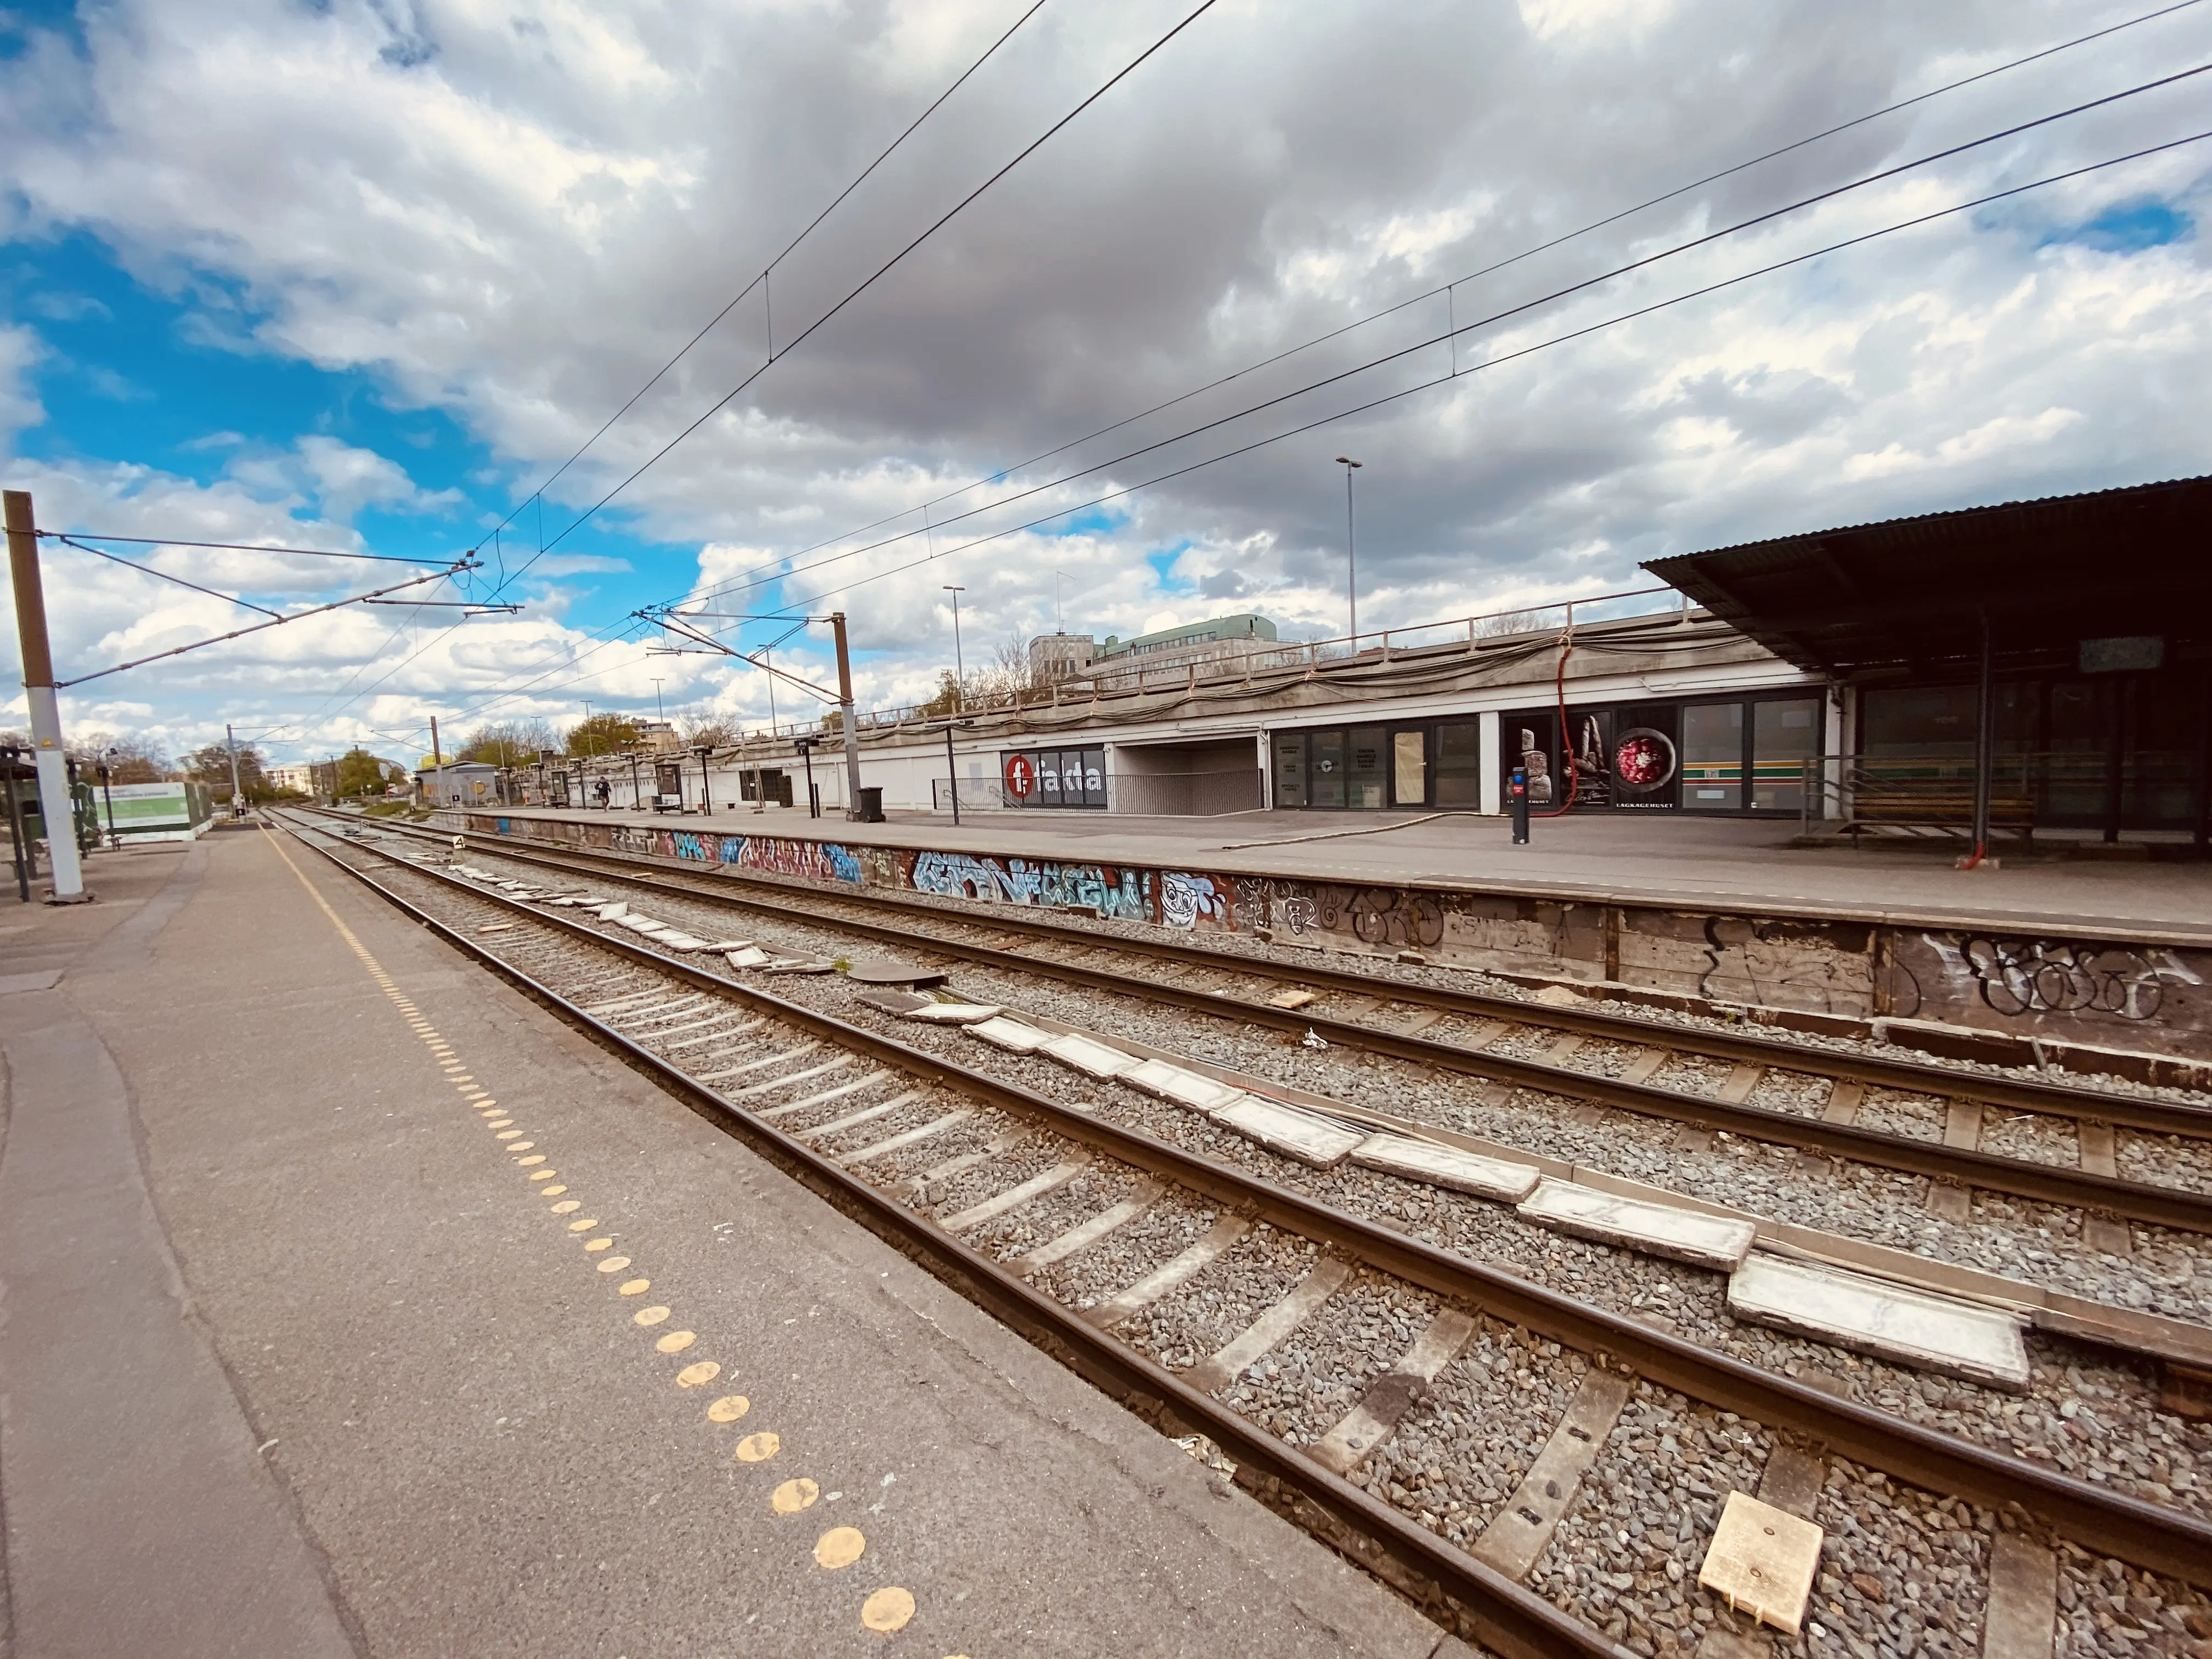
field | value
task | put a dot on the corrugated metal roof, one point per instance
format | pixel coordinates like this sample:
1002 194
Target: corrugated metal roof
1913 593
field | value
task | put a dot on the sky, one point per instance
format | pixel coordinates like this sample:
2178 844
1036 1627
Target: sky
360 276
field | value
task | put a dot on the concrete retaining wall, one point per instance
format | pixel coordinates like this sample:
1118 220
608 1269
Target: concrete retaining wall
1931 987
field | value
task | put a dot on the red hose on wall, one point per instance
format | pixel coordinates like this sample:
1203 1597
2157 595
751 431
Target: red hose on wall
1566 742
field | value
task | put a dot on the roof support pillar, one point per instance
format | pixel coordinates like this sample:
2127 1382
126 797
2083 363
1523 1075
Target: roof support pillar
1985 743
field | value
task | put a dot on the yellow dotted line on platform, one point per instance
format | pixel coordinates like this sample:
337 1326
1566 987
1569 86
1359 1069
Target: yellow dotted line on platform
888 1609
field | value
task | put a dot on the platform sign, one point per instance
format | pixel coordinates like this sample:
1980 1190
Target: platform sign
2124 653
164 810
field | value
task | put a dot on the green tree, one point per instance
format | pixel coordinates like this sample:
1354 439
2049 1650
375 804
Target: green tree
947 699
359 772
602 734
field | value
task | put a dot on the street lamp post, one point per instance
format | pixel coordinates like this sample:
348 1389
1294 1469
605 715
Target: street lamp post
108 795
951 767
959 667
706 787
1351 553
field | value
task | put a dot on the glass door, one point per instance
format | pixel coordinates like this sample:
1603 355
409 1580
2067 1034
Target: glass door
1785 733
1328 769
1409 767
1364 775
1712 757
1458 765
1289 749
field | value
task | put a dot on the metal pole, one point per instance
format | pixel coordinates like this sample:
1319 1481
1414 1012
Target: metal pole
952 774
1351 554
108 793
230 739
845 717
54 805
707 787
959 667
1985 744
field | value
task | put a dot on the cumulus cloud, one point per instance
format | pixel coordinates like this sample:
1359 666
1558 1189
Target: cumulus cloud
514 215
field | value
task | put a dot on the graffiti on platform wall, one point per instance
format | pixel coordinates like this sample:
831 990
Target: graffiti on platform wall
784 855
1113 891
959 875
1383 917
2019 977
1783 963
1284 906
1188 899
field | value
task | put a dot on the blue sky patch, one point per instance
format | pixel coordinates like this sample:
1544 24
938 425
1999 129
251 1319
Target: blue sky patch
2129 228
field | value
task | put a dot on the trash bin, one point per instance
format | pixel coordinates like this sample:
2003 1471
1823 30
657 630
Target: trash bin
872 805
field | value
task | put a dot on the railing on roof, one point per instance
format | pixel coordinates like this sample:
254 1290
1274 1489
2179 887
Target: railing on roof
1382 646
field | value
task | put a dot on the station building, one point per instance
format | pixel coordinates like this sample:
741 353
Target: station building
2051 657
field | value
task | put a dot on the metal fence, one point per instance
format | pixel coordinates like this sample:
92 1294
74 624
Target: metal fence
1933 795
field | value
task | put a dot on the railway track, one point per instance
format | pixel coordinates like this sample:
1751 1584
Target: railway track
1433 1415
1824 1101
1641 1058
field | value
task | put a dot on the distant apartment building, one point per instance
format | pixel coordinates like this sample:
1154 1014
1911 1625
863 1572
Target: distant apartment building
299 776
1209 643
657 737
1060 656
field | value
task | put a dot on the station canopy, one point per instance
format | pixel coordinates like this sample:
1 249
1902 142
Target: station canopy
2117 578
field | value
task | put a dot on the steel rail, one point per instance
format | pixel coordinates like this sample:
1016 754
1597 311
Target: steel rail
2047 1183
2157 1537
1919 1077
1496 1610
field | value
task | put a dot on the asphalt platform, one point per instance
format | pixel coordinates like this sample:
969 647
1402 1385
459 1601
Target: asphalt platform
295 1360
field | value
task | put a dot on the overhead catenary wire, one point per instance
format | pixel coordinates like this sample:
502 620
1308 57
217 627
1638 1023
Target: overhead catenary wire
1638 313
545 546
148 570
1489 270
82 535
537 494
882 271
1671 194
1489 321
1498 361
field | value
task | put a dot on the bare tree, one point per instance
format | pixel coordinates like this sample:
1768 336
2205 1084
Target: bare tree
130 760
708 730
1504 623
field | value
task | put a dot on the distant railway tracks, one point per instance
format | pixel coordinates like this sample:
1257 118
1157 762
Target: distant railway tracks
1540 1469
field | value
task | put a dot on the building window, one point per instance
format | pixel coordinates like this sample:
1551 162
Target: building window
1712 757
1785 733
1458 765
